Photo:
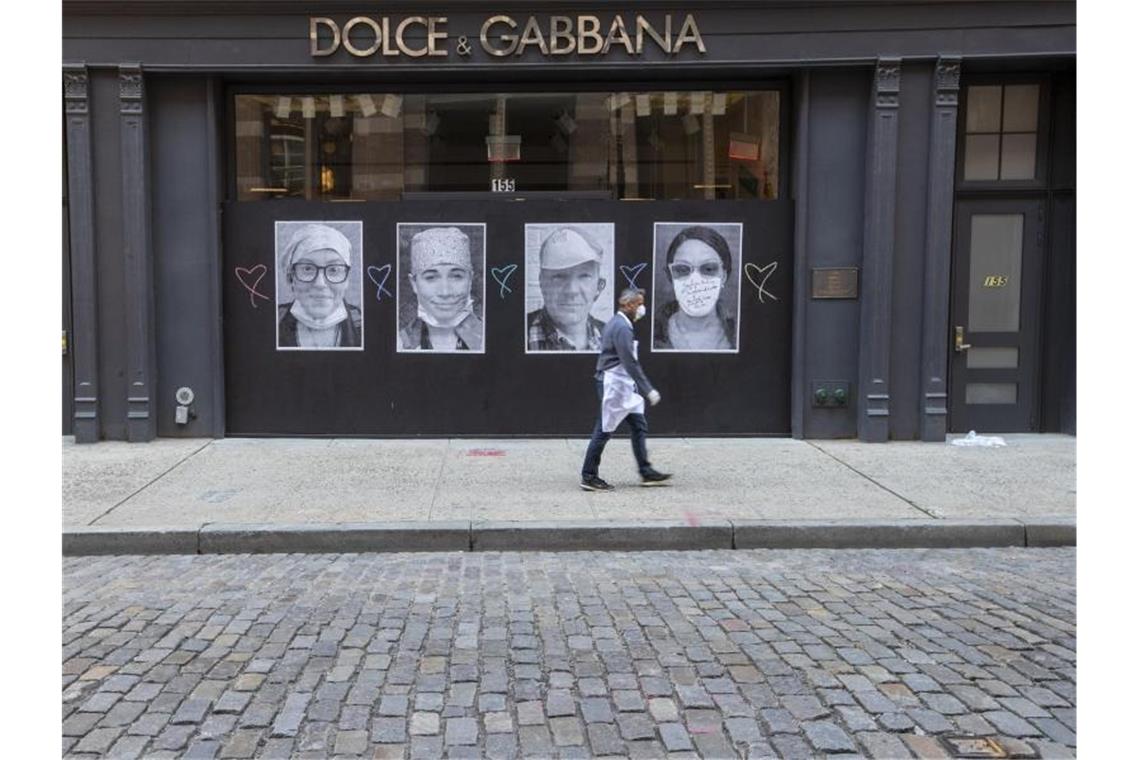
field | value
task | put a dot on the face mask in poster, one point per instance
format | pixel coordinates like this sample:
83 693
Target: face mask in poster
697 294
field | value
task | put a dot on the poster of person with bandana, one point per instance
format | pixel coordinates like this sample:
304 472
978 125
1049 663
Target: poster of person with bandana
441 287
696 286
319 286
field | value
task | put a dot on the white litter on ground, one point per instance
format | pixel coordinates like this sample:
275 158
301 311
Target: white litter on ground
973 439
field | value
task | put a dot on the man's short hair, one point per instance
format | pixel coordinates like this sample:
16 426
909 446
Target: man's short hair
629 294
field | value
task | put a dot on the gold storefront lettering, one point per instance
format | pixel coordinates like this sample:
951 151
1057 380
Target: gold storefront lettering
584 35
618 34
511 39
665 43
314 46
562 30
689 33
380 32
532 35
588 26
381 37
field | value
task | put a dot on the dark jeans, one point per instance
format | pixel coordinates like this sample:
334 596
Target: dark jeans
638 429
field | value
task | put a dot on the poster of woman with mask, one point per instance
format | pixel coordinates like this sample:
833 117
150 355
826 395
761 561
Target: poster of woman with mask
696 286
319 286
441 287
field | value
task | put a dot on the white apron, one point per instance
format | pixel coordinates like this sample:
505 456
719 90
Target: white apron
619 396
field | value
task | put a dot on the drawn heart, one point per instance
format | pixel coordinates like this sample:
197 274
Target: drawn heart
632 272
758 276
379 276
249 282
501 275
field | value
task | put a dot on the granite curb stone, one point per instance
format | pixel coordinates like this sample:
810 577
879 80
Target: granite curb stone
879 534
84 541
1050 531
600 535
319 538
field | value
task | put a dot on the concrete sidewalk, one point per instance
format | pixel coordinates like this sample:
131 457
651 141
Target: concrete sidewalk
186 485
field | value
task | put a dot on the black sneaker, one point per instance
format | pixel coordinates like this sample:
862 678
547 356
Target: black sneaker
653 478
595 484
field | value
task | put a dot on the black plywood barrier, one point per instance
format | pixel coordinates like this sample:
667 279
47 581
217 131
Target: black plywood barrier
503 391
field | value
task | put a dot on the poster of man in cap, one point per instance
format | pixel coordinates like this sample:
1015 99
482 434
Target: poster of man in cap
319 286
569 286
441 287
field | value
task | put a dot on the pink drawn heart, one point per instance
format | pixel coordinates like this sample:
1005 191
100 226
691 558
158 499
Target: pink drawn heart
242 273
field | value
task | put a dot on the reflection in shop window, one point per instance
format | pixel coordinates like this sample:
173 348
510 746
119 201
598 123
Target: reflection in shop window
628 145
287 161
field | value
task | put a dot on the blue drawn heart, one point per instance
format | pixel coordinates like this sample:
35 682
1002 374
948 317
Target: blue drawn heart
501 275
632 272
379 276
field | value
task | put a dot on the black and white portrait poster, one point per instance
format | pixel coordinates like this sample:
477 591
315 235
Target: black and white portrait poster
319 286
696 286
569 286
441 284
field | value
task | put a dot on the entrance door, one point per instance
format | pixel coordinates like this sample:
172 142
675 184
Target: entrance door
994 357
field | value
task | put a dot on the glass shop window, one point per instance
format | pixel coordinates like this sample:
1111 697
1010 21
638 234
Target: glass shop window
631 145
1001 132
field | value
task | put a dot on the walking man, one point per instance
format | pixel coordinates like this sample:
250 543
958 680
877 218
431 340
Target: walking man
621 383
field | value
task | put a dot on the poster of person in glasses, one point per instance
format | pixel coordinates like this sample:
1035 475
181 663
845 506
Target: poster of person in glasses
696 286
319 286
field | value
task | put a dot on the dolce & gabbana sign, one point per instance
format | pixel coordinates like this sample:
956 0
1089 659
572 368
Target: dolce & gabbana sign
504 36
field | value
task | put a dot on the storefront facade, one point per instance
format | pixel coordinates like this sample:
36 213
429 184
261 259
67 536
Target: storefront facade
851 220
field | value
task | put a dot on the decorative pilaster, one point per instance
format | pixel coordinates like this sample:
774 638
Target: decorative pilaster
878 254
141 353
939 221
800 251
81 222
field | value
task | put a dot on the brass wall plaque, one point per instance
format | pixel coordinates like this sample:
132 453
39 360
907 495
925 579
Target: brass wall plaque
835 282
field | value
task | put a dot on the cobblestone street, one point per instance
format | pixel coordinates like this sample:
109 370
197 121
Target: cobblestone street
869 653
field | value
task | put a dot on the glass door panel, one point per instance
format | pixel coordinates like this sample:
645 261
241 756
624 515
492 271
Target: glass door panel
995 272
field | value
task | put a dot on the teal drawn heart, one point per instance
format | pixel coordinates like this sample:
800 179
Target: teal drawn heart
501 275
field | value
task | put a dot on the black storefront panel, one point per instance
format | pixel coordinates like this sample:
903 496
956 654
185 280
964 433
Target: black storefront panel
379 391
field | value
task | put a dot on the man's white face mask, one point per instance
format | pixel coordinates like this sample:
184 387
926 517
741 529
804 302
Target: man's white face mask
639 313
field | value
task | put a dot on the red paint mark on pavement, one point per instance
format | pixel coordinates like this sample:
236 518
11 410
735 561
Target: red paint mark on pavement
692 519
486 453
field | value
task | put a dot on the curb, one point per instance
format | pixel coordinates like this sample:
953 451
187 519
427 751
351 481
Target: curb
877 534
1050 531
600 536
84 541
348 538
646 535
